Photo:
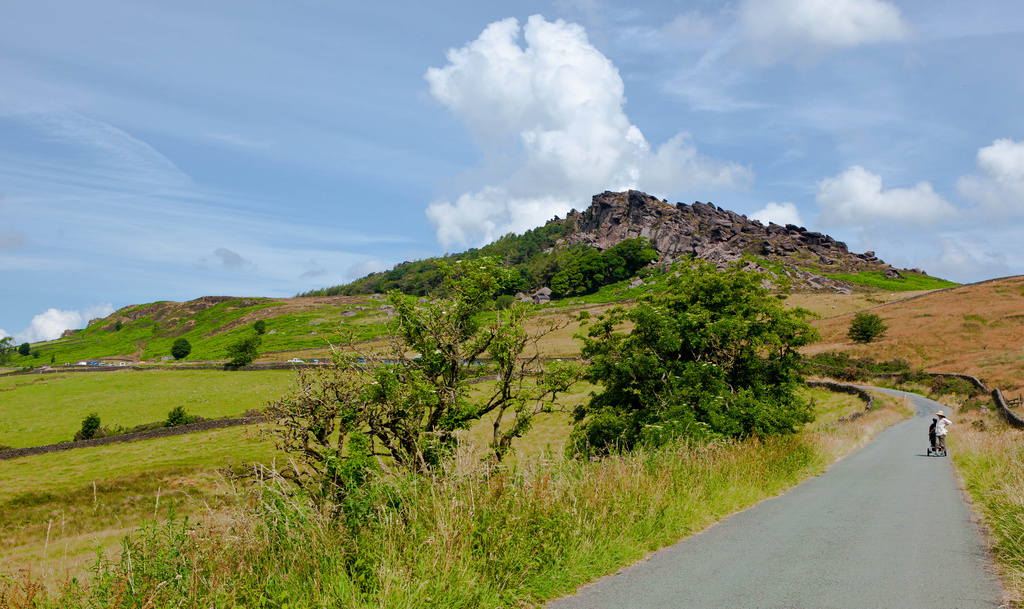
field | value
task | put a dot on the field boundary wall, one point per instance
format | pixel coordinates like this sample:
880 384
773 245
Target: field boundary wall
160 432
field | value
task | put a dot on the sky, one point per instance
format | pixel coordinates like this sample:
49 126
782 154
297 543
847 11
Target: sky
171 150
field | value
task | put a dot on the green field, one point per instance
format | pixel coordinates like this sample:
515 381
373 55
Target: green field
211 330
42 409
908 283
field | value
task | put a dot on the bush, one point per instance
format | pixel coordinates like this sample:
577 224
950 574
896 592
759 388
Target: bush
244 351
714 354
24 349
181 348
179 416
503 302
946 385
90 425
866 327
260 326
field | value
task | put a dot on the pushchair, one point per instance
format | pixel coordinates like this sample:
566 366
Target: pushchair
934 449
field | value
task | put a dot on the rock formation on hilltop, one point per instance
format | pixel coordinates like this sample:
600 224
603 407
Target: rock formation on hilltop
711 233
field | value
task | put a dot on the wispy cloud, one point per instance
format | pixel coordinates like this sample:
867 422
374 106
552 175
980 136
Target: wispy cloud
804 31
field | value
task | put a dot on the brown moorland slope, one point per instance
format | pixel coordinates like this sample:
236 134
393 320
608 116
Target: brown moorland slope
975 329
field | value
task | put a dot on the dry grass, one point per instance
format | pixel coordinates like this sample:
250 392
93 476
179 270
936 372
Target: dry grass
990 458
828 305
973 329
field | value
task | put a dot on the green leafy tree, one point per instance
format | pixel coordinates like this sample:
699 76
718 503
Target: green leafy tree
118 325
90 425
6 349
24 349
411 399
715 354
181 348
260 326
866 327
244 351
179 416
36 353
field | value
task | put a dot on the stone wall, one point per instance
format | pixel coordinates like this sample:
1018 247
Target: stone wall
161 432
1011 417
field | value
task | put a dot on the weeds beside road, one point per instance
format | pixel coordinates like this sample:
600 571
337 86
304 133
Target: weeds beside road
990 457
473 537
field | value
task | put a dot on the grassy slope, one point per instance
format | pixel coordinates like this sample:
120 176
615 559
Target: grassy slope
45 409
292 324
974 329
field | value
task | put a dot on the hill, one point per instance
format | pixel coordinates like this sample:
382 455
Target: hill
791 257
976 329
145 333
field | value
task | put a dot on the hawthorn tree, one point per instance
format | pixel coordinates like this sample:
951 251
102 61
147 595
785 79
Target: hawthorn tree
244 351
866 327
714 354
409 402
24 349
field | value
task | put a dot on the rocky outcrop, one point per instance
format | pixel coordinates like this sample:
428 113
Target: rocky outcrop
707 232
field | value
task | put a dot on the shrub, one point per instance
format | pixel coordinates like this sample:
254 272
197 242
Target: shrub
179 416
714 354
866 327
945 385
244 351
24 349
90 425
503 302
181 348
260 326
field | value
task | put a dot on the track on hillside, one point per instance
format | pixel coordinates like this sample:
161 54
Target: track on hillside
884 527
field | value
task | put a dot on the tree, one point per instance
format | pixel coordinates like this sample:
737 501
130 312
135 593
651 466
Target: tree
715 354
179 416
866 327
90 424
118 325
6 349
409 402
260 326
24 349
181 348
244 351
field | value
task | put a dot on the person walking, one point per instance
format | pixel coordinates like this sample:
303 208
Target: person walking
940 431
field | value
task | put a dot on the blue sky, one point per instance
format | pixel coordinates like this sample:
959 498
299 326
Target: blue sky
166 151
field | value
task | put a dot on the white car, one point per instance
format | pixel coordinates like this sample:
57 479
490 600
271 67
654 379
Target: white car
295 360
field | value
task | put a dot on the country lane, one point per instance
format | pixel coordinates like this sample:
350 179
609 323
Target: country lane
886 527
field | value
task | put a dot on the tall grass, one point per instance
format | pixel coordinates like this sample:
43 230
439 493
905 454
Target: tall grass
470 537
990 457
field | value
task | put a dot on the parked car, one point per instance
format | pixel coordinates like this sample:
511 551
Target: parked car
295 360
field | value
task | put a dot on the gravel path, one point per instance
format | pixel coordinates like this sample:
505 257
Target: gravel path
885 527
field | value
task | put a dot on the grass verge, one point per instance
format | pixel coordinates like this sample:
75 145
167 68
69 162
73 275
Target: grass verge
473 537
990 458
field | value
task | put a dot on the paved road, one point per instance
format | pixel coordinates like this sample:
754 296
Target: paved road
885 527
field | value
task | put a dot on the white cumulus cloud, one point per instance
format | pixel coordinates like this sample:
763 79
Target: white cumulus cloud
805 30
999 185
50 324
549 119
779 213
856 198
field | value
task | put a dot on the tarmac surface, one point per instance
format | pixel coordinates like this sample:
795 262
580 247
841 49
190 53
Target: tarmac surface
885 527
